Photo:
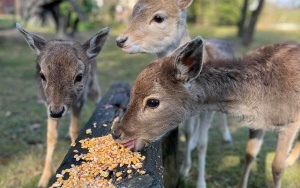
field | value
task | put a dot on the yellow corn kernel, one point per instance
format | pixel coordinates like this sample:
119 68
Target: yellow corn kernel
88 131
104 156
142 172
118 174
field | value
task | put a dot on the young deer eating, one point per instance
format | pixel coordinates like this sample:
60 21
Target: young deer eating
262 88
159 27
66 76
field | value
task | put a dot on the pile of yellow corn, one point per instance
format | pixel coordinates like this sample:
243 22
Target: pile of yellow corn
100 166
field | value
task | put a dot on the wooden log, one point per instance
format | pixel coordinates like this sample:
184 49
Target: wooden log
113 105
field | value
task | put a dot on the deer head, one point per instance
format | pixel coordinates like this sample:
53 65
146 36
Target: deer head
162 96
155 27
62 68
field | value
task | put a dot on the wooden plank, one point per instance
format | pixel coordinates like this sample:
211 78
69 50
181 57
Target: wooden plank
113 105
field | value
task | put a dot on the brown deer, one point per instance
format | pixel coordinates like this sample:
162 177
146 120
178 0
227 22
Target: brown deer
262 89
66 76
159 27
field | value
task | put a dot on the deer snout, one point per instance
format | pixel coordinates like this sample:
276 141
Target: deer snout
57 112
121 41
116 134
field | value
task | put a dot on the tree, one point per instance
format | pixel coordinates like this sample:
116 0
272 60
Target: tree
246 31
241 22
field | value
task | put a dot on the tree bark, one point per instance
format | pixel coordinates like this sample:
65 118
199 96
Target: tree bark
248 36
241 23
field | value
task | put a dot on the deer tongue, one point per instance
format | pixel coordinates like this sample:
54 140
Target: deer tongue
130 144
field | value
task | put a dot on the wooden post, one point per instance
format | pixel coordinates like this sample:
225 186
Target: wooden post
170 159
113 105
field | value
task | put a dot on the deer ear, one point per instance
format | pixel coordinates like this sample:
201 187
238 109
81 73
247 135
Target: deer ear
189 60
94 45
36 42
183 4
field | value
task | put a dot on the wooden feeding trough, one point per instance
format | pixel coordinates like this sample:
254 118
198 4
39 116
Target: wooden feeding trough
108 110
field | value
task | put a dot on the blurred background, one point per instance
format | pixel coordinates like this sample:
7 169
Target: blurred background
246 23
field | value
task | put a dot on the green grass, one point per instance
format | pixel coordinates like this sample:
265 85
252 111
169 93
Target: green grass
23 120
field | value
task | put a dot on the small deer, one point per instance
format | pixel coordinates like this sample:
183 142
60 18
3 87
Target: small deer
159 27
66 76
262 89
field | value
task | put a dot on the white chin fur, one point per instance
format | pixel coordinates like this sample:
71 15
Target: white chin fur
132 49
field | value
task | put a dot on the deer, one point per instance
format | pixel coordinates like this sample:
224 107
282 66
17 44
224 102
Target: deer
261 89
159 27
66 77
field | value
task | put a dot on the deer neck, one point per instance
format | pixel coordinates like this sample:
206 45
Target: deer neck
221 87
181 38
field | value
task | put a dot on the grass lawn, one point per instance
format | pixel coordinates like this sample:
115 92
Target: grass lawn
23 120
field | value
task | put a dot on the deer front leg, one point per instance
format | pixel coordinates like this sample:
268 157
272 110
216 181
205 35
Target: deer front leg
189 127
51 142
285 140
225 130
295 153
253 147
74 125
202 134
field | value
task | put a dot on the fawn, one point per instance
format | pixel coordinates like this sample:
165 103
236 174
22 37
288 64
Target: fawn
159 27
262 89
66 76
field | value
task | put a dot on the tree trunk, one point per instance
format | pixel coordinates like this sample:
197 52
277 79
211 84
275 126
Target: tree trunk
248 36
17 10
241 23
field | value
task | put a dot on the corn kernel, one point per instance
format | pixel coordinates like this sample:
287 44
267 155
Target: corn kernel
118 174
88 131
142 172
104 156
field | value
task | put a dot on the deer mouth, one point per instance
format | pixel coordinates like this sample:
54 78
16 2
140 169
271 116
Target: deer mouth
136 144
130 144
132 49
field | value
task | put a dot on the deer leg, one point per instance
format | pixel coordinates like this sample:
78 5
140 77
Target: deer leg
253 147
51 141
203 128
190 145
285 140
74 125
225 130
295 153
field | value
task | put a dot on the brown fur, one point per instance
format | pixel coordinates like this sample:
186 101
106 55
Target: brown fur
145 34
262 88
66 76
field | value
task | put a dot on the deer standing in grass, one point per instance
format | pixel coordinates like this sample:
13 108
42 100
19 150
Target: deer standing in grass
262 88
159 27
66 76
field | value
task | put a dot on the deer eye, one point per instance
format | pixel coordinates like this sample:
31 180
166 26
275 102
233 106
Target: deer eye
78 78
152 103
158 19
42 76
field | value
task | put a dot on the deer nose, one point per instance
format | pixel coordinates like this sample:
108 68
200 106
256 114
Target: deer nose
121 41
116 135
56 114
